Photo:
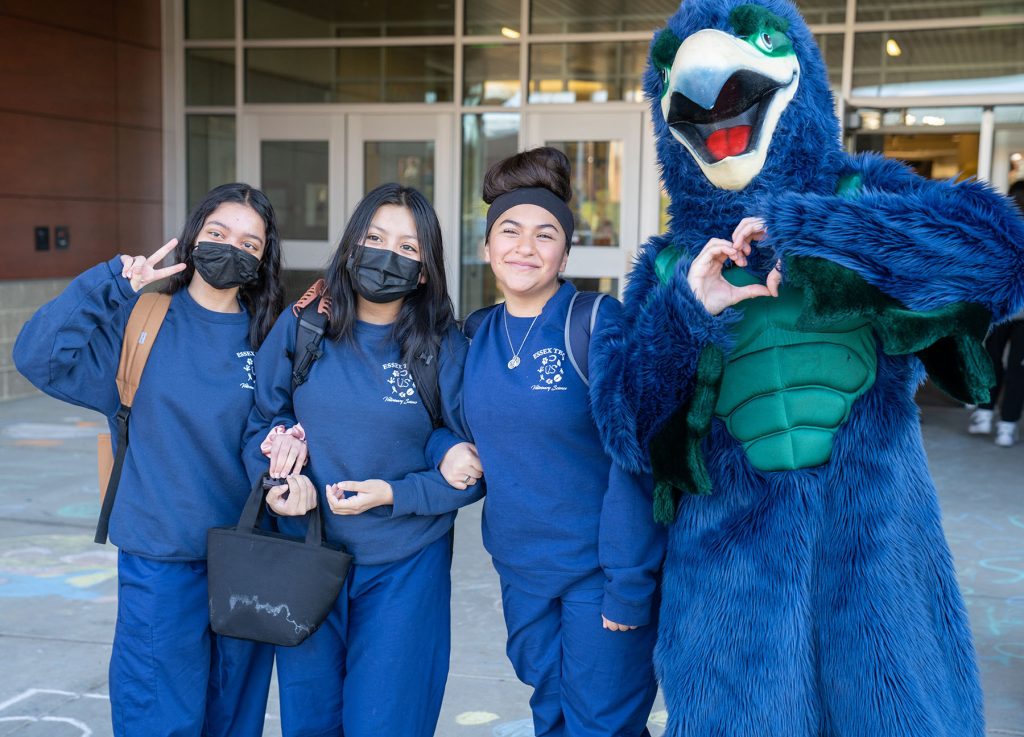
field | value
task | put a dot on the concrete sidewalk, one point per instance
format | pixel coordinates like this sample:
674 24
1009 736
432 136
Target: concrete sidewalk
57 588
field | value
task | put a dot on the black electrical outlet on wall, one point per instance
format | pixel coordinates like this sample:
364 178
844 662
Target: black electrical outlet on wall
42 238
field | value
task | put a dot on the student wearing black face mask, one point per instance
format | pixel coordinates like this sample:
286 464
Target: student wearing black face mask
182 474
378 665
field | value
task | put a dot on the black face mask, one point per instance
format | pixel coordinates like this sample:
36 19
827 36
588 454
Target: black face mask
381 275
222 265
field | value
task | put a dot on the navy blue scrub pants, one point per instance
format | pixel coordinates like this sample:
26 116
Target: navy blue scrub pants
377 667
170 675
587 681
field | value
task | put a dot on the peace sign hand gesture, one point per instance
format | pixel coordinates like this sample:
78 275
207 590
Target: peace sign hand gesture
705 274
141 271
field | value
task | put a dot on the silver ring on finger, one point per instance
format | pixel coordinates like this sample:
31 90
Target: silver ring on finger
466 480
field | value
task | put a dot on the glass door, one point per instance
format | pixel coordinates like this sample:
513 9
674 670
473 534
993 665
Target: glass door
298 160
316 167
413 150
604 150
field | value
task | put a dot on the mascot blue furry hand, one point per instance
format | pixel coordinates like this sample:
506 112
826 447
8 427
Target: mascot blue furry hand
808 587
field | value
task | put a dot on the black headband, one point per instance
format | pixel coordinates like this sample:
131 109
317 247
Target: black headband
539 196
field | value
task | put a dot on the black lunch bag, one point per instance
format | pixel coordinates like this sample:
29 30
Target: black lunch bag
267 586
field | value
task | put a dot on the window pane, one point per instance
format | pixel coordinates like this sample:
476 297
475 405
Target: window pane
944 62
294 177
831 47
587 72
410 163
331 19
209 77
822 11
910 9
209 19
932 155
491 17
210 154
604 284
597 190
919 117
486 139
491 75
354 75
1010 114
584 16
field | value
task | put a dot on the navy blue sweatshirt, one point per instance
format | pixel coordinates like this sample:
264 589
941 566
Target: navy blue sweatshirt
559 514
183 471
363 419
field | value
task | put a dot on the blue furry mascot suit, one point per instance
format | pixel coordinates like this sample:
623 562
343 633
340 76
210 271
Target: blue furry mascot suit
808 588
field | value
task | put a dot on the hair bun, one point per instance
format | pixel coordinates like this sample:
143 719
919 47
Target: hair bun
539 167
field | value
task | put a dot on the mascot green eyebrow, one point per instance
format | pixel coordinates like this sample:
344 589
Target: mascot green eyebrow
764 371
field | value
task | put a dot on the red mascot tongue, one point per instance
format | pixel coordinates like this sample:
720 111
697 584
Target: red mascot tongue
728 141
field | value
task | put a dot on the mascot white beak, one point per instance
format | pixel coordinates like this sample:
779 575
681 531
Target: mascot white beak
723 99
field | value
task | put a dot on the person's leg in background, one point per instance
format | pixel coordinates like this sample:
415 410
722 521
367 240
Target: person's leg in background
982 417
1012 402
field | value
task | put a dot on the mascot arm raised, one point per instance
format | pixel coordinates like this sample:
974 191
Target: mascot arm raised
645 364
926 244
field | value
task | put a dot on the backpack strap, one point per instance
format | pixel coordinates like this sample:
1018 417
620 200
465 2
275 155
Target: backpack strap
472 323
143 326
139 336
313 310
579 326
425 371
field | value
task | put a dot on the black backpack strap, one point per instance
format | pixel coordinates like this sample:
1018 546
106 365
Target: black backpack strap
472 323
425 371
121 421
309 335
579 326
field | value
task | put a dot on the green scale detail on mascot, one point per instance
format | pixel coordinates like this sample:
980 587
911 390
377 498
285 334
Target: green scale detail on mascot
764 371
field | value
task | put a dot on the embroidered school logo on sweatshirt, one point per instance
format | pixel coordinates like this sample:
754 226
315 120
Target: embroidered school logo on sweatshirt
247 366
550 372
400 381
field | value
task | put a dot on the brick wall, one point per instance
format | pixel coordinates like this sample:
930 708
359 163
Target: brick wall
80 146
80 130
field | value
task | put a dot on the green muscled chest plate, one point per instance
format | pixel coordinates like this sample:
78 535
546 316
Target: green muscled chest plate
786 391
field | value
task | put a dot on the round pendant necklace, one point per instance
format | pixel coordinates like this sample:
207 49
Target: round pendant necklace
515 353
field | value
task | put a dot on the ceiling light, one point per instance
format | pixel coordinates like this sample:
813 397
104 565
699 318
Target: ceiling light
891 47
509 32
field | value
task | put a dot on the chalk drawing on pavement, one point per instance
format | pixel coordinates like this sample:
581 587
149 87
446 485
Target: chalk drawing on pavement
474 718
69 566
49 431
26 699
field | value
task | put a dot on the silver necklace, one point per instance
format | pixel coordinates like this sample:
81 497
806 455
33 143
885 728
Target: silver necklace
515 354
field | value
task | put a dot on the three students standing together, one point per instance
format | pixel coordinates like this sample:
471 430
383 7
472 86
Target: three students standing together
571 534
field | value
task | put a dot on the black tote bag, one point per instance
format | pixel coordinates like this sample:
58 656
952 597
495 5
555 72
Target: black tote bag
269 587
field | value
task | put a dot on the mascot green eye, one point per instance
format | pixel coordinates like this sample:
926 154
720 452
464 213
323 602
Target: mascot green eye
772 42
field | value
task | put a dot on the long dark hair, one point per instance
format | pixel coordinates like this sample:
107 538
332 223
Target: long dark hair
426 313
264 300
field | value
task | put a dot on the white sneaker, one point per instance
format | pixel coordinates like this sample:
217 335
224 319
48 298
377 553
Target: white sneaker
1006 434
981 422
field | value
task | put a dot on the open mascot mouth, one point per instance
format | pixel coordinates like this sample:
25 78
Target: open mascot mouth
732 126
724 96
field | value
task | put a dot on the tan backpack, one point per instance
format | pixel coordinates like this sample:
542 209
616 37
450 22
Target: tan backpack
139 336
